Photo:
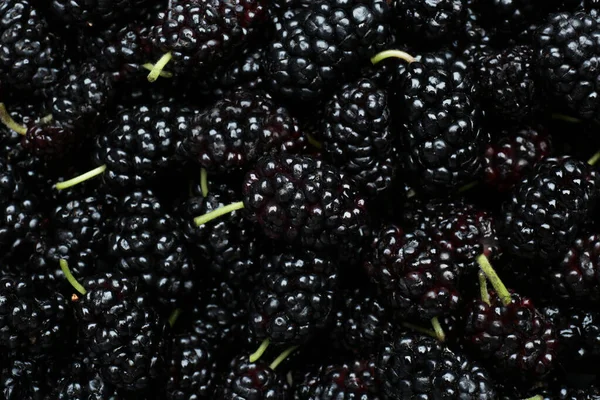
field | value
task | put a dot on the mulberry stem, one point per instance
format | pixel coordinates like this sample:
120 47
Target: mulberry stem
392 53
494 279
419 329
162 74
592 161
10 123
485 295
64 266
204 182
260 351
201 220
566 118
173 317
286 353
80 178
438 330
538 397
47 119
314 142
468 186
158 67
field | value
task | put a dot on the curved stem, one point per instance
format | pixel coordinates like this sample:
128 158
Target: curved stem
314 142
468 186
80 178
260 351
159 66
64 266
286 353
201 220
392 53
10 123
538 397
494 279
566 118
173 317
47 119
204 182
438 330
420 329
162 74
594 159
485 295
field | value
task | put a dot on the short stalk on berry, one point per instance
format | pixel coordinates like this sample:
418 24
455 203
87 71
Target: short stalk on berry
81 178
485 295
468 187
204 182
173 317
47 119
594 159
438 330
159 66
286 353
420 329
494 279
10 123
64 266
538 397
260 351
392 53
203 219
162 74
314 142
566 118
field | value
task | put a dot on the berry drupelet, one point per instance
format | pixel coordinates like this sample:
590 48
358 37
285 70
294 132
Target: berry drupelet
441 133
199 34
121 332
429 22
512 335
146 242
507 84
25 378
228 247
86 12
192 368
414 275
294 297
357 135
82 381
31 55
234 132
345 34
348 381
549 208
415 367
514 155
33 319
566 52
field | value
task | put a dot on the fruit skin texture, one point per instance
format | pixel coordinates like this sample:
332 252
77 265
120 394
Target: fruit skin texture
123 335
234 132
30 53
346 33
82 381
567 48
415 367
515 339
302 200
86 12
192 368
294 298
506 84
201 34
514 155
537 226
246 380
354 380
357 135
414 275
441 126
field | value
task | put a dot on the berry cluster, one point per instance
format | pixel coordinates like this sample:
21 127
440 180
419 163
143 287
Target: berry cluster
299 199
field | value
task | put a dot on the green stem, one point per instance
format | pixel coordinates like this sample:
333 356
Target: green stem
204 182
260 351
201 220
64 266
468 186
438 330
594 159
159 66
411 193
173 317
282 357
81 178
538 397
494 279
47 119
162 74
485 295
314 142
566 118
392 53
420 329
9 122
